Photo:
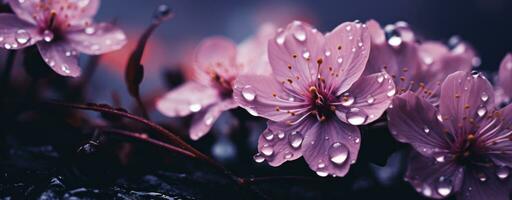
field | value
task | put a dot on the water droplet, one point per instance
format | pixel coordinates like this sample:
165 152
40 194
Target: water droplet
267 150
65 69
391 92
22 36
306 55
195 107
348 28
322 173
208 119
295 139
347 100
426 191
440 117
338 153
502 172
356 116
268 135
353 49
395 41
327 52
300 35
1 38
360 44
440 158
380 78
90 30
280 134
258 158
163 12
280 39
339 60
482 177
444 188
321 165
252 112
426 129
370 100
288 155
248 93
484 97
481 111
48 36
7 46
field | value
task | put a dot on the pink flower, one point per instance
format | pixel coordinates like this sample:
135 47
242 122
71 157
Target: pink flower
504 89
463 147
415 66
315 97
60 29
218 63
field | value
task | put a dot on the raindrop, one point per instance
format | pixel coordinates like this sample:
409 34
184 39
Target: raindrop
7 46
267 150
208 120
322 173
22 36
248 93
502 172
395 41
338 153
280 134
288 155
426 129
327 52
252 112
440 117
163 12
484 97
444 188
89 30
280 39
370 100
258 158
48 36
391 92
356 116
353 49
300 35
339 60
481 112
426 191
268 135
195 107
482 177
347 100
348 28
295 139
360 44
380 79
65 68
440 158
306 55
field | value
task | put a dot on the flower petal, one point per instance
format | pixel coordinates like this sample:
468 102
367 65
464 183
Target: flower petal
422 129
505 75
25 10
294 54
465 100
187 98
492 187
203 121
263 96
433 179
216 57
15 33
61 57
252 53
495 133
349 48
281 142
331 147
97 39
368 97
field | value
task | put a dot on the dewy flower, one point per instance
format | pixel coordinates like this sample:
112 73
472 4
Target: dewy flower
316 96
218 63
414 66
60 29
462 148
504 90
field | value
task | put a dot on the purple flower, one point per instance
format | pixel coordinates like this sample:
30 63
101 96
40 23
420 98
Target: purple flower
218 63
462 148
418 67
60 29
315 97
504 89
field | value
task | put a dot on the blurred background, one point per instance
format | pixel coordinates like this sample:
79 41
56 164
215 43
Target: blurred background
117 168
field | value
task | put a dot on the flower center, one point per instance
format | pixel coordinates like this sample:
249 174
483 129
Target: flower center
223 85
320 102
470 153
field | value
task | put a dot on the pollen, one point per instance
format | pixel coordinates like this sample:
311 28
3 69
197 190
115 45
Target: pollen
290 81
289 67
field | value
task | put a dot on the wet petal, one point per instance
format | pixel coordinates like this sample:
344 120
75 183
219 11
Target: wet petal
332 147
252 53
505 75
495 133
294 54
281 142
25 10
203 121
187 98
433 179
61 57
370 96
263 96
465 100
15 33
216 56
476 188
422 129
97 39
349 47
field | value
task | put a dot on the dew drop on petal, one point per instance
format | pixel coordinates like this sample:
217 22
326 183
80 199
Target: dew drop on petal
502 172
348 28
481 112
482 177
65 68
327 52
395 41
391 92
7 46
300 35
339 60
280 134
22 36
268 135
306 55
280 39
288 155
427 191
48 36
484 97
426 129
295 139
258 158
444 187
252 112
267 150
355 116
347 100
195 107
370 100
440 158
322 173
208 119
380 79
90 30
248 93
338 153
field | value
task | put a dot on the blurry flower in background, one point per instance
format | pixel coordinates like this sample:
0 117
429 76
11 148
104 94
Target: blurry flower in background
504 84
218 63
60 29
416 66
463 147
315 97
